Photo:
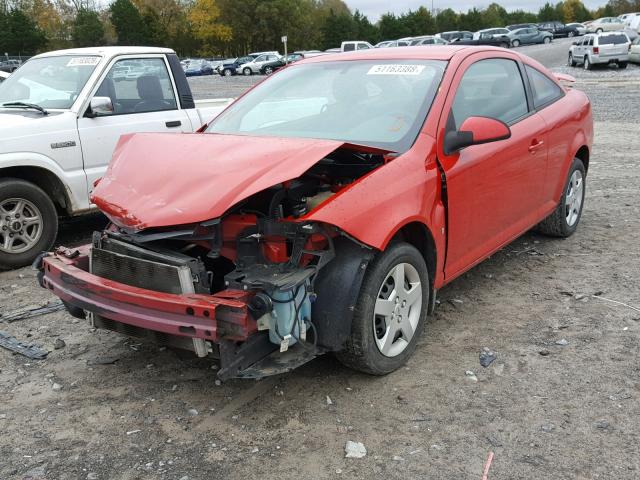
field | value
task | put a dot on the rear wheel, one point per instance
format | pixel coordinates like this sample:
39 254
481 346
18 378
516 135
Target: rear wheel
268 70
587 63
390 312
516 43
227 72
622 64
504 45
571 34
598 31
565 218
28 222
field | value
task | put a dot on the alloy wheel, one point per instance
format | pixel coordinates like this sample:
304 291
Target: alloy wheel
573 198
20 225
397 309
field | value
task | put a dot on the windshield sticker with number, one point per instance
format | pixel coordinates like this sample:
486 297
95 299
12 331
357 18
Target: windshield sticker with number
396 70
83 61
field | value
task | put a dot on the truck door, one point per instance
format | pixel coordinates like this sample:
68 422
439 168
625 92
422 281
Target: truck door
143 96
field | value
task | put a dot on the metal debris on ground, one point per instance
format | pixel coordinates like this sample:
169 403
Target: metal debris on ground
31 351
32 312
487 357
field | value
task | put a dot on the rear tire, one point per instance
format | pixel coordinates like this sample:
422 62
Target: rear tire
372 330
20 245
565 218
587 63
598 31
571 34
622 65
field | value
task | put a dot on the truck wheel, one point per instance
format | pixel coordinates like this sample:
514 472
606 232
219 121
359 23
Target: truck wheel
516 43
565 218
247 71
28 222
390 312
587 63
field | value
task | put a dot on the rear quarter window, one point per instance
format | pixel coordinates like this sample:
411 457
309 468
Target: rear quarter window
545 90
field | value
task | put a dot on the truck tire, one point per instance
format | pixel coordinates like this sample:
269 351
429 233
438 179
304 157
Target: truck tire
28 222
565 218
382 340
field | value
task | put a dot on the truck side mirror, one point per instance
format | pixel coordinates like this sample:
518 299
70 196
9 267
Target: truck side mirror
99 107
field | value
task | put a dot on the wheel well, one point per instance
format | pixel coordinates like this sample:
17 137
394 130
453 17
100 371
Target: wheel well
44 179
418 235
583 154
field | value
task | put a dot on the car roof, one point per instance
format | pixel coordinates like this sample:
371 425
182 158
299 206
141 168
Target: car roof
107 51
445 52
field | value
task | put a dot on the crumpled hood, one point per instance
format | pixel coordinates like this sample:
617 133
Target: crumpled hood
163 179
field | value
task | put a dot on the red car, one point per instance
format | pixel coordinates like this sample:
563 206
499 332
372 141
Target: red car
323 209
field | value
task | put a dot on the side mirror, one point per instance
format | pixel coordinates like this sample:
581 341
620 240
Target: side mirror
475 131
100 106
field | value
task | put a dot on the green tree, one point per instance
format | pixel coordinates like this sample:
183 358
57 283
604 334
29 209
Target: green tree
494 16
364 29
447 20
419 22
472 20
547 13
337 28
128 23
19 34
87 29
520 16
392 27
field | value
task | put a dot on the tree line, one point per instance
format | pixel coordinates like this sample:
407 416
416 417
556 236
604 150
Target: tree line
235 27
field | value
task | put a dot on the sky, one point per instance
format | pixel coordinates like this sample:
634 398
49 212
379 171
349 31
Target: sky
374 8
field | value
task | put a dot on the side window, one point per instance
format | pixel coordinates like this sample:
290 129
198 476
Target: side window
363 46
490 88
349 47
138 86
261 58
591 41
545 90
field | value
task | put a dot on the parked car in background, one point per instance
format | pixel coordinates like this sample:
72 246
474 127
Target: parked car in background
455 35
580 28
559 29
197 68
491 31
634 51
9 66
253 241
628 17
486 39
392 43
230 66
526 36
605 48
57 133
605 24
253 66
428 40
517 26
333 50
4 75
352 45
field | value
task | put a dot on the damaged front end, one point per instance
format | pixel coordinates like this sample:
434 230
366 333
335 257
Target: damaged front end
263 287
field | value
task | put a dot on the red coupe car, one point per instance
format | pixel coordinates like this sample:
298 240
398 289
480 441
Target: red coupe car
323 209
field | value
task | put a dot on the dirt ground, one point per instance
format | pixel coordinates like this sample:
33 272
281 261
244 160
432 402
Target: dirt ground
107 407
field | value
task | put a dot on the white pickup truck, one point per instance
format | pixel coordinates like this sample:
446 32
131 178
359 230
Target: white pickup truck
61 115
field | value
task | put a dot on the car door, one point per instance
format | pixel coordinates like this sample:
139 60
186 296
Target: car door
143 101
494 190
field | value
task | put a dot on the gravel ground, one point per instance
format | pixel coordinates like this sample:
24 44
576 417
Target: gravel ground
560 401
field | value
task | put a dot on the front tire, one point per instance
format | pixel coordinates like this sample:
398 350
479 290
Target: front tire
28 222
571 61
390 313
227 72
516 43
247 72
565 218
546 40
598 31
571 34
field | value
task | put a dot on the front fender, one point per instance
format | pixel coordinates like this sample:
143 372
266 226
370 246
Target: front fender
74 181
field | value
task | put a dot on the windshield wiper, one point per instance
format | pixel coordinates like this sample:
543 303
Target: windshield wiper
26 105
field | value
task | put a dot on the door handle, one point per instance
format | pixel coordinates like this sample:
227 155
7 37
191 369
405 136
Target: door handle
535 145
173 123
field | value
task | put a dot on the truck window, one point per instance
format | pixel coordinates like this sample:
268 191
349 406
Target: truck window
138 86
349 47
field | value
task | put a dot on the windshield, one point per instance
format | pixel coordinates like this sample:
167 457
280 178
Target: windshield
50 82
377 103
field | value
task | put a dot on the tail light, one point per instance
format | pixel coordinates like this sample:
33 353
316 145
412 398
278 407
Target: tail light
596 50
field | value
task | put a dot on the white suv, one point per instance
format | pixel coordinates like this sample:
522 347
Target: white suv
605 48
